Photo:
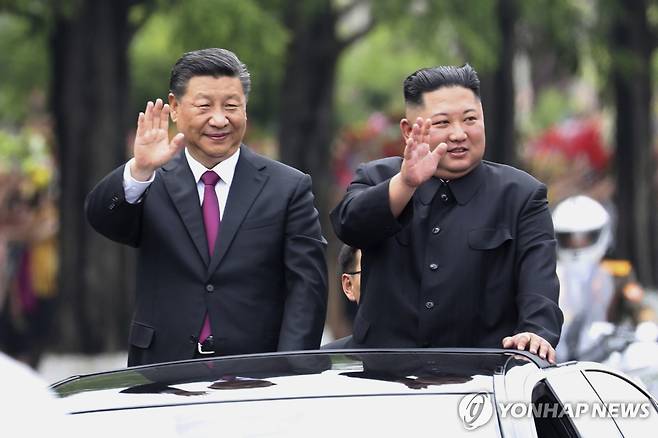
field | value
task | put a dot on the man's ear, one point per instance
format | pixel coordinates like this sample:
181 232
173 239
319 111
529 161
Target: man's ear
348 287
405 128
173 104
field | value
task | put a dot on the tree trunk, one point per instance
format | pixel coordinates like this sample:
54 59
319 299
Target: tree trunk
498 95
306 115
306 118
89 101
636 234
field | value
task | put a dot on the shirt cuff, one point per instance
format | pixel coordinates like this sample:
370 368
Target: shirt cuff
133 189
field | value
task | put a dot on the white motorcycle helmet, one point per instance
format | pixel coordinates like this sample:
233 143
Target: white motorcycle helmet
582 229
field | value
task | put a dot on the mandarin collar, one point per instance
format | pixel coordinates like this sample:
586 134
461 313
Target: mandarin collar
464 188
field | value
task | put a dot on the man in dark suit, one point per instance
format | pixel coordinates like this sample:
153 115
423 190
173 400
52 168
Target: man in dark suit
456 251
230 252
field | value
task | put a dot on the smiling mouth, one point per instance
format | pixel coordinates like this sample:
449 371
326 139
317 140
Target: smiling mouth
458 150
217 136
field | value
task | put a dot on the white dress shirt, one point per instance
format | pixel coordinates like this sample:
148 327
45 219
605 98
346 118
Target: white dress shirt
226 169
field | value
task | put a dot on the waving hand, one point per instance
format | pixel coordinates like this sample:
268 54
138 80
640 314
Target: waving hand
152 147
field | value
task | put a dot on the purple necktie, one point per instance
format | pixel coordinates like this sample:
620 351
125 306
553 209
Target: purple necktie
211 221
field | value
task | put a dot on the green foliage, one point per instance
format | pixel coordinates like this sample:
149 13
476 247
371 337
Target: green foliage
27 154
561 26
553 105
23 67
370 74
243 27
152 53
407 38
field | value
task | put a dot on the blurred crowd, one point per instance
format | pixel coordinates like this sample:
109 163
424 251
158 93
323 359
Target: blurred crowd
28 244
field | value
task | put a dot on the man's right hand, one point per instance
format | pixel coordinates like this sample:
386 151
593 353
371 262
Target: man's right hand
152 147
419 163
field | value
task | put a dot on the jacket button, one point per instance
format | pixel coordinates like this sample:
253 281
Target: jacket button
436 230
429 304
445 197
210 288
434 266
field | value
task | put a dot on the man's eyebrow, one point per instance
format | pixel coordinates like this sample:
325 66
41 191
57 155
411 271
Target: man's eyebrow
468 110
202 95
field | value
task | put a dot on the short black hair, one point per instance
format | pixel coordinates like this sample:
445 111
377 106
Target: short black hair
347 259
433 78
207 62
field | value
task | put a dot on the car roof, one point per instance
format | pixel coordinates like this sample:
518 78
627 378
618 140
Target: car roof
293 375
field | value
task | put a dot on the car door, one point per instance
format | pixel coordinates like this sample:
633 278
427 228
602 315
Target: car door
634 411
605 403
568 386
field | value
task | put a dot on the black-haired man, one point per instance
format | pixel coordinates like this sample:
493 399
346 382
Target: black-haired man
456 251
231 256
349 265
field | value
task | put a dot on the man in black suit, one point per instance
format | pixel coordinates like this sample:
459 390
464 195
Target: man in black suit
230 252
456 251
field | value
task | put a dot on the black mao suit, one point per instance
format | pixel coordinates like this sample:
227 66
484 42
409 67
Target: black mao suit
466 263
265 286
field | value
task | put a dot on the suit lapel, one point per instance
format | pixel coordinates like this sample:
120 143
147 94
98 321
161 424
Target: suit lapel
248 182
180 184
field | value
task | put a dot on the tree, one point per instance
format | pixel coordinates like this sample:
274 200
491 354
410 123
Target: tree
632 42
89 99
306 115
498 92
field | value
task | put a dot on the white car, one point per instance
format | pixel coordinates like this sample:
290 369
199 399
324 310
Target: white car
425 392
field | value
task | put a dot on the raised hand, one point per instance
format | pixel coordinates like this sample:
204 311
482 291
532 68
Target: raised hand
420 162
152 147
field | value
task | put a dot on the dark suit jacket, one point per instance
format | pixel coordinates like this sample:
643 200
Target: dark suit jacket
464 265
264 287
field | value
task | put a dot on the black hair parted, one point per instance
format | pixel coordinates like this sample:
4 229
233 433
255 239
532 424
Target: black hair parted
214 62
432 78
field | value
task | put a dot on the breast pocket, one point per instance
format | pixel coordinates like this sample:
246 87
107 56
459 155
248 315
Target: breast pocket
484 239
493 256
252 224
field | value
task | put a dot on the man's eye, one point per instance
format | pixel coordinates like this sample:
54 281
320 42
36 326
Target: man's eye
471 119
440 123
203 105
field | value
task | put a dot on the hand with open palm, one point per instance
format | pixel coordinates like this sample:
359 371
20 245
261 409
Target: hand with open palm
420 162
152 147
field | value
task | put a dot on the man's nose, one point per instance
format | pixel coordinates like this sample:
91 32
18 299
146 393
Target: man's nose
218 119
457 133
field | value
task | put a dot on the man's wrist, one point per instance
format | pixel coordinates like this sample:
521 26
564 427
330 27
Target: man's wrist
140 174
404 184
